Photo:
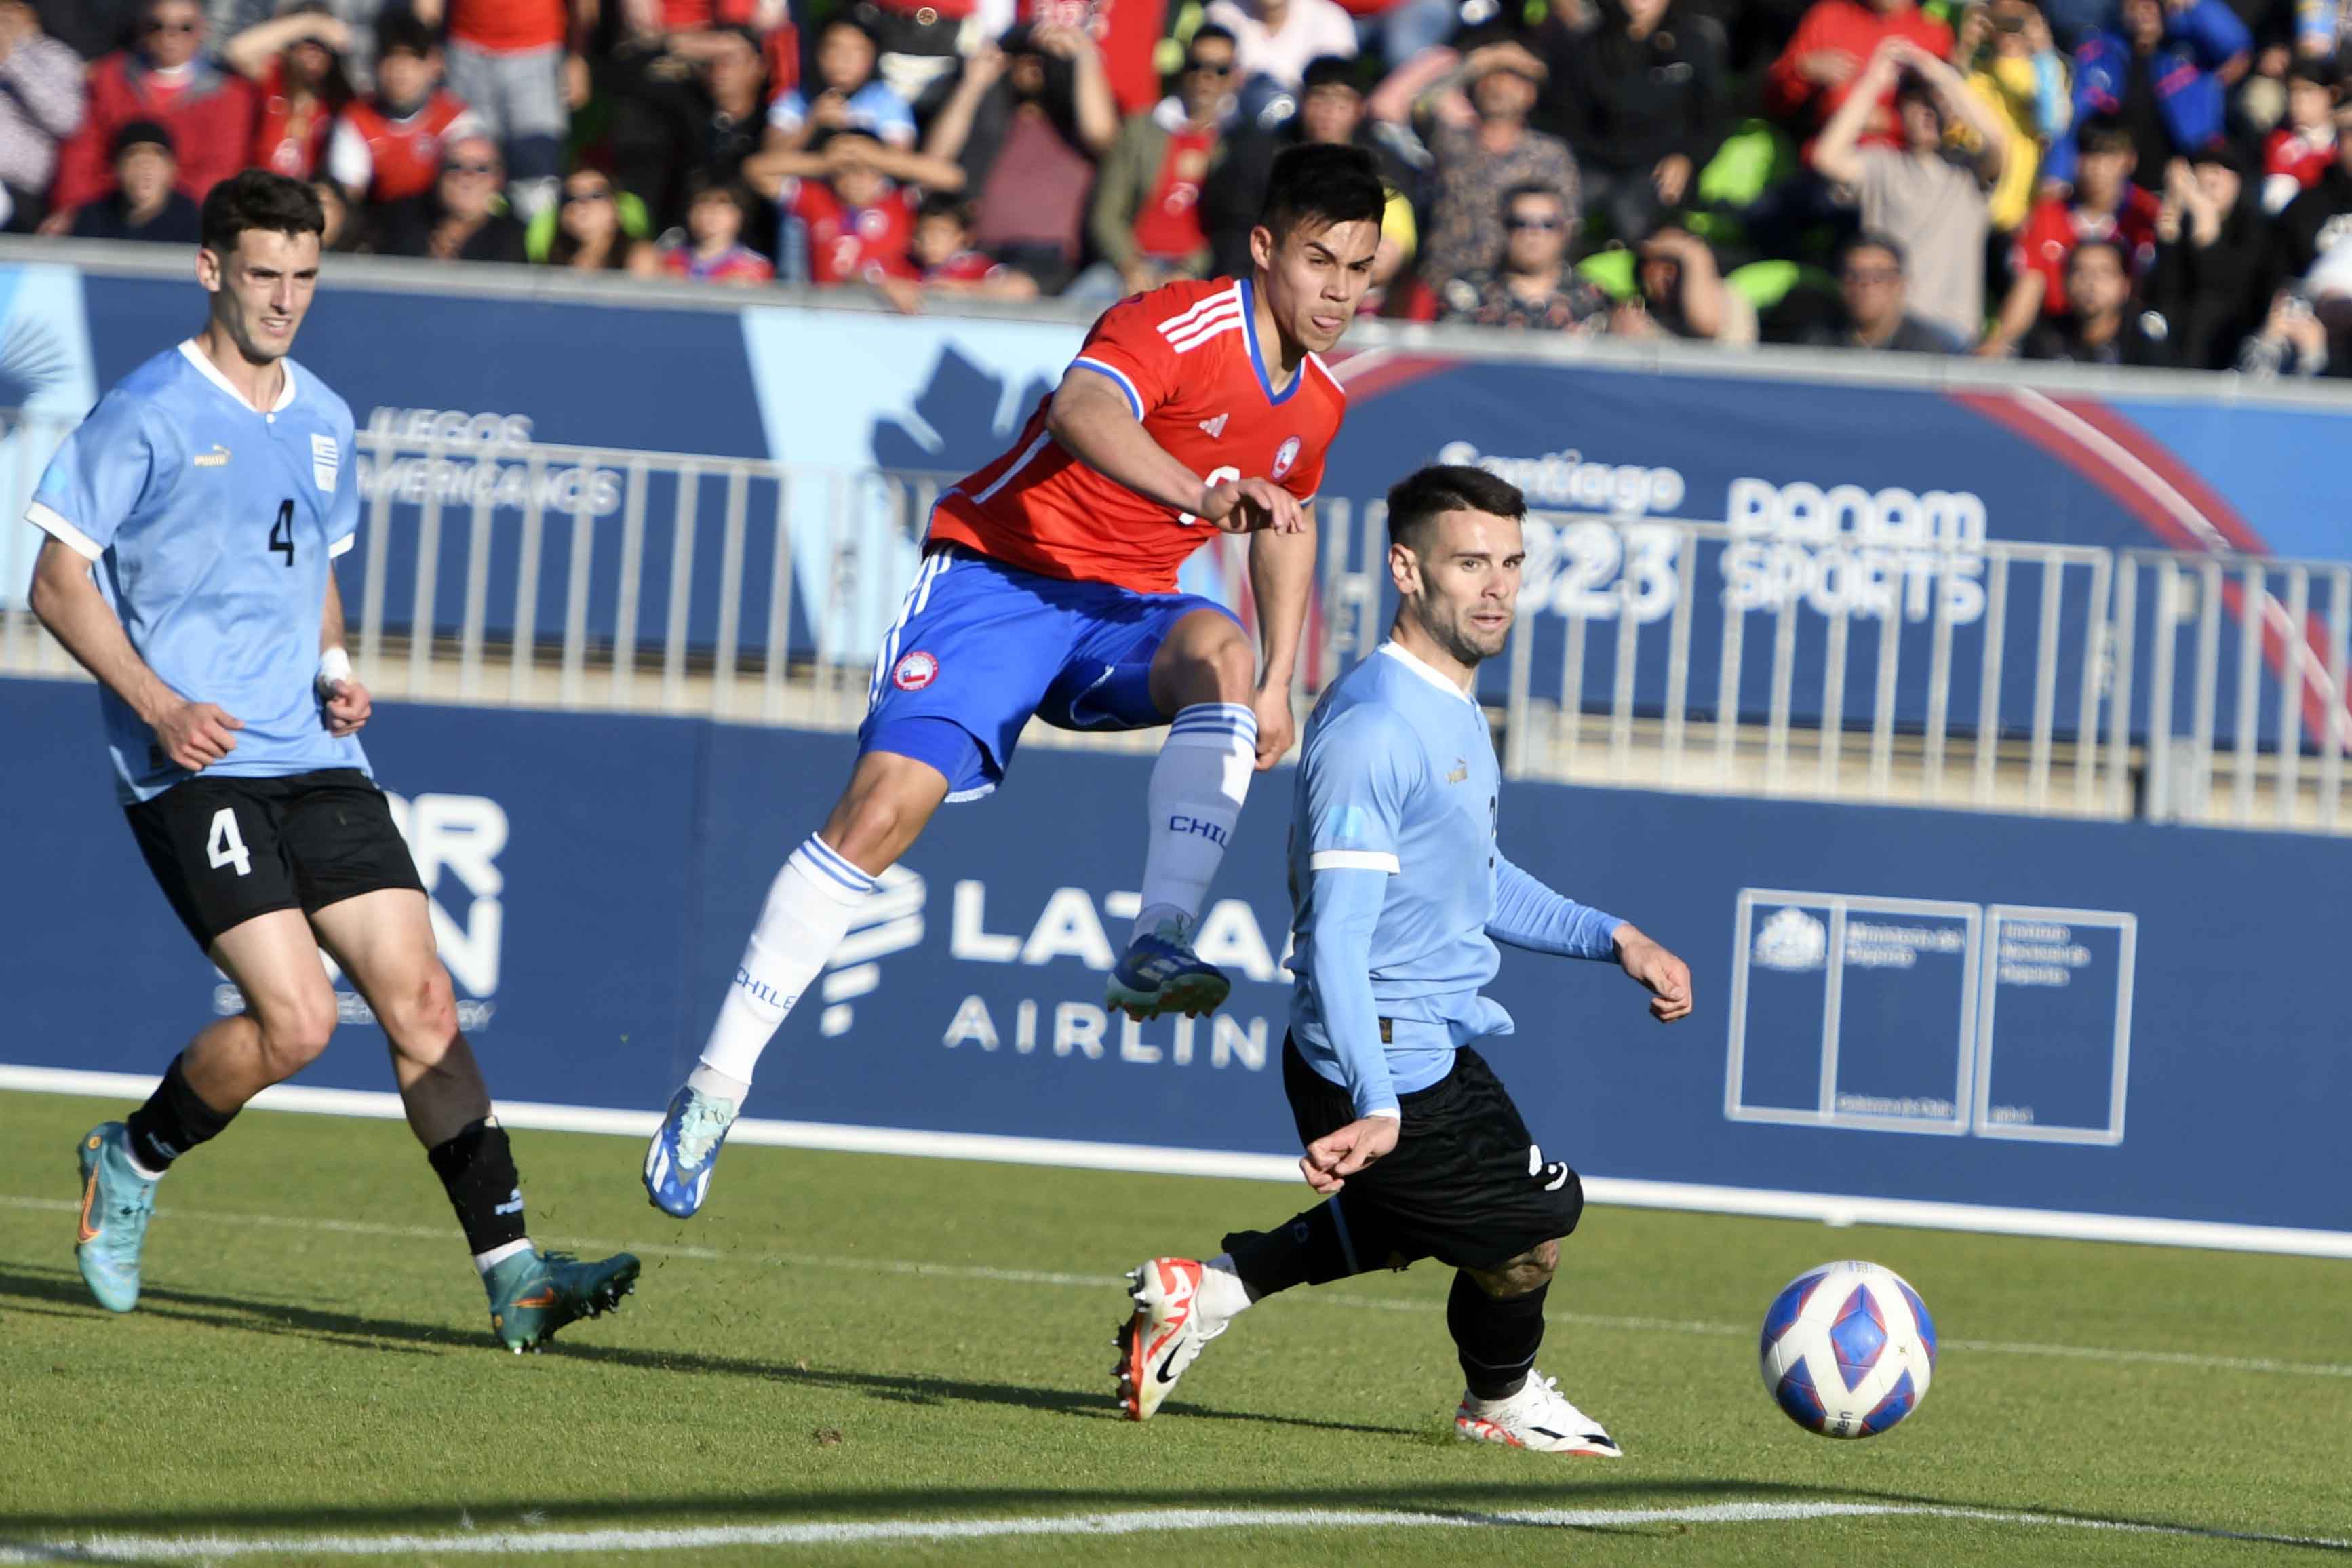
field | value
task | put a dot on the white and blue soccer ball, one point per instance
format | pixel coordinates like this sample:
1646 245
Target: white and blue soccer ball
1848 1349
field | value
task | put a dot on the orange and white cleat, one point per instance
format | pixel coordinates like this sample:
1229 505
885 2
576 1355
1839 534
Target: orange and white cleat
1165 1334
1538 1418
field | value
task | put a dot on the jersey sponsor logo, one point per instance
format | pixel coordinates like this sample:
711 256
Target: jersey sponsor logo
1285 456
326 461
1461 771
215 458
915 671
1216 429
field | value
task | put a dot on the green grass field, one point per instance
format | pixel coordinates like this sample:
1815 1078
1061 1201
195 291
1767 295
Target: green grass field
857 1339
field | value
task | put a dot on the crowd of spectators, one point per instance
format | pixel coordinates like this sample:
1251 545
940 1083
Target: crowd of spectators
2114 182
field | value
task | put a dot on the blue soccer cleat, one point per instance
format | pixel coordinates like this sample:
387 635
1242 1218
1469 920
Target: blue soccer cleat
116 1203
1161 973
686 1147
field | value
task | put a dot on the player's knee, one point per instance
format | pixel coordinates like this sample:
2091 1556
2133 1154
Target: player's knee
1523 1276
295 1031
1228 664
424 1014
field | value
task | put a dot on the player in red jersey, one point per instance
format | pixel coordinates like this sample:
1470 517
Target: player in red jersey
1047 590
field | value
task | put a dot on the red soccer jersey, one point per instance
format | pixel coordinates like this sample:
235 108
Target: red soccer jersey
404 155
285 141
1188 358
2055 228
852 245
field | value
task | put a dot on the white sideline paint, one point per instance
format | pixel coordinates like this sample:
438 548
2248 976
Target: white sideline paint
1829 1209
920 1270
101 1548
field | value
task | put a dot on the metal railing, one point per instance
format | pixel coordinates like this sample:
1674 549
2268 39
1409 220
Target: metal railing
1913 662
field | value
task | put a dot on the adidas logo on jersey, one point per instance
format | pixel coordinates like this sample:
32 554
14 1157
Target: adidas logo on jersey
1216 429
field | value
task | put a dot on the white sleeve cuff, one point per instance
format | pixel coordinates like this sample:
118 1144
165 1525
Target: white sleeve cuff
1354 860
343 546
1390 1112
50 520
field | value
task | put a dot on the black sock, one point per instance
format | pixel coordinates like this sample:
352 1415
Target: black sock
478 1170
172 1121
1496 1337
1323 1244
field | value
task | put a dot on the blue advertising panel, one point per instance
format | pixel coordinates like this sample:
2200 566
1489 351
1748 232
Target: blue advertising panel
1978 1010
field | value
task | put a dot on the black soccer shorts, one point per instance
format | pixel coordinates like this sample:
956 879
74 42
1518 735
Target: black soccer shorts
1465 1183
226 850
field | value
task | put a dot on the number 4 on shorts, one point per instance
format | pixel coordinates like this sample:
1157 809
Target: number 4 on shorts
226 845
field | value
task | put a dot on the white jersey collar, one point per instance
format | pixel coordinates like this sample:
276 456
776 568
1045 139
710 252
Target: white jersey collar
1428 671
211 371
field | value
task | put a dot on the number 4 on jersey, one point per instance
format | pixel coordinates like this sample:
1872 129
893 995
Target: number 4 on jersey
281 536
225 846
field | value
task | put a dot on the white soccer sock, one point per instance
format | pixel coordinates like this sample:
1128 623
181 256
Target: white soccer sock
1190 806
1222 1293
809 908
486 1261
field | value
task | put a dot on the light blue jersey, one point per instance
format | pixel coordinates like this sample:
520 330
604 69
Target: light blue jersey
212 524
1398 892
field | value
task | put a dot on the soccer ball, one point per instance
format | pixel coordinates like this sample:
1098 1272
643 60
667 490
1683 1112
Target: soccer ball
1848 1349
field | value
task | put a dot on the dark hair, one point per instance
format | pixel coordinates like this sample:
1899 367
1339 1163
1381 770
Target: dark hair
1549 193
2123 256
1327 71
1424 496
945 204
141 133
848 20
1211 30
399 32
1322 184
718 182
258 199
1872 239
2103 133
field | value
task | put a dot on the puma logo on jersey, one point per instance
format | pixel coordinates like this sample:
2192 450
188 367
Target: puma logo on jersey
1461 771
1216 429
215 458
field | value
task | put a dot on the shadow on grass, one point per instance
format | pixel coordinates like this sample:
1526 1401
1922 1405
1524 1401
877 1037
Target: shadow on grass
351 1331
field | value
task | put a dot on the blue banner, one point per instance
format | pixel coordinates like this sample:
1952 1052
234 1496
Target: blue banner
1868 502
1892 1003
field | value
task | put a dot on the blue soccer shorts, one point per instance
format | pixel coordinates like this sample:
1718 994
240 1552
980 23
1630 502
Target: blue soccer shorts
979 647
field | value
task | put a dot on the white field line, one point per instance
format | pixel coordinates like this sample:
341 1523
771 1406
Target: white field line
920 1270
1831 1208
102 1547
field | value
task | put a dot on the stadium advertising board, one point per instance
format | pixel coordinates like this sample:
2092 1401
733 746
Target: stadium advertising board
1995 1012
1861 506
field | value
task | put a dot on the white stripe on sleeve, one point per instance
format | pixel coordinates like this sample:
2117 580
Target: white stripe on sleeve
50 520
1354 860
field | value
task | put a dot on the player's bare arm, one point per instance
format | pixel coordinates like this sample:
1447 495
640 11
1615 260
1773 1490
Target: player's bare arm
193 734
1659 972
1094 423
345 701
1282 575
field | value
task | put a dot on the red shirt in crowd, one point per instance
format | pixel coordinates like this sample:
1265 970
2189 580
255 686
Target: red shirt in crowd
208 111
1856 31
1169 224
1187 358
2053 229
2298 156
392 160
848 243
287 140
696 16
965 267
508 26
1128 32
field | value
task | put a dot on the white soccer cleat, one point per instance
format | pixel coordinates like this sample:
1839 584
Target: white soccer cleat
1165 1334
1536 1417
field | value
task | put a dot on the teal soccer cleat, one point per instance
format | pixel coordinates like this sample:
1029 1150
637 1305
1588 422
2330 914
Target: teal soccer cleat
116 1203
1161 973
532 1294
